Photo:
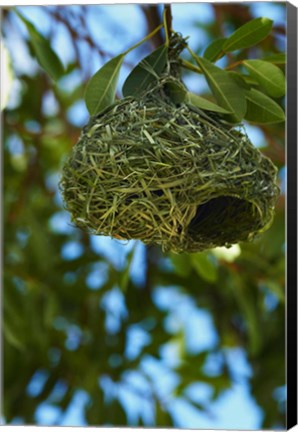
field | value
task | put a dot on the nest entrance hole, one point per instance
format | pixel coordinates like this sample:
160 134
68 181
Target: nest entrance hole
224 215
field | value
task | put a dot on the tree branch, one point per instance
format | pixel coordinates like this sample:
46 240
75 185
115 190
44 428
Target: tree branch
168 16
153 20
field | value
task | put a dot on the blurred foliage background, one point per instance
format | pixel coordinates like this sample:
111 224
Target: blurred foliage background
102 332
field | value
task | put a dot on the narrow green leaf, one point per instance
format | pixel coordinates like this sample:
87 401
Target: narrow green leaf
124 274
50 310
261 109
163 417
101 89
11 336
279 58
204 104
46 57
195 404
227 92
247 305
218 383
145 72
277 289
249 34
204 267
213 51
269 76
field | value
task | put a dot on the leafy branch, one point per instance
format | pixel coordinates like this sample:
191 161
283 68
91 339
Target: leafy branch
248 94
236 97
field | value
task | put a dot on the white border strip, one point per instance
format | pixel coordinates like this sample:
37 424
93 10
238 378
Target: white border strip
94 2
114 429
118 429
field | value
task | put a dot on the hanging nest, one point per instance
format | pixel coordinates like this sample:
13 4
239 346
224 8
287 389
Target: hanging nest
168 174
150 170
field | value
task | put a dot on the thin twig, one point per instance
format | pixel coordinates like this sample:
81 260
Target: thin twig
168 21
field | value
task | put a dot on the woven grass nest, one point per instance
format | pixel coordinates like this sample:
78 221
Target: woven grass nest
168 174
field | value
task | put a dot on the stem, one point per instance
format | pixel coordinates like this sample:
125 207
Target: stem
187 65
219 55
149 36
194 56
190 66
167 20
231 66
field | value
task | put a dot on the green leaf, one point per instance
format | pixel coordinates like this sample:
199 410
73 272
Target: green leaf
261 109
277 289
269 76
148 70
116 413
46 57
163 417
195 404
124 274
213 51
249 34
176 91
51 308
11 336
204 267
101 89
279 58
227 92
243 80
247 304
239 79
219 383
182 264
204 104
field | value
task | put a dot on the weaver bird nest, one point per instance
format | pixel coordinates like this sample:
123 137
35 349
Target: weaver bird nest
168 174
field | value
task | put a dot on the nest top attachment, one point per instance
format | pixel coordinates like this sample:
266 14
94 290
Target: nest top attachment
168 174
